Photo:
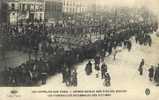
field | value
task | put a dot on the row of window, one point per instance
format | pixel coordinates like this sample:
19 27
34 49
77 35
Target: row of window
74 10
23 7
35 15
53 7
72 3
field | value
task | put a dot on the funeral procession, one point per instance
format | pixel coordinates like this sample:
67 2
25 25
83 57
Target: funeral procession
73 44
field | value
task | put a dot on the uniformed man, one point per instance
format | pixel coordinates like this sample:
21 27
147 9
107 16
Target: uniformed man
43 77
88 68
97 62
74 77
107 79
103 70
156 77
140 69
151 73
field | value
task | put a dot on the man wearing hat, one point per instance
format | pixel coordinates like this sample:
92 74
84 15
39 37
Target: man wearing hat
151 73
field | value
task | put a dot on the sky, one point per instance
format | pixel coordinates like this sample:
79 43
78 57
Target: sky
153 5
131 3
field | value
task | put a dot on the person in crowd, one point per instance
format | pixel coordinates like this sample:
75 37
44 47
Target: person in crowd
64 73
107 80
88 68
74 78
115 53
68 77
97 62
156 76
102 55
103 70
140 69
151 73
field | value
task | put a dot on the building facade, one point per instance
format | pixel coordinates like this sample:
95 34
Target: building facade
3 11
25 10
53 9
74 6
0 11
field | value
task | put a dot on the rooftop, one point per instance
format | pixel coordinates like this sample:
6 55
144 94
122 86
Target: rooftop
25 0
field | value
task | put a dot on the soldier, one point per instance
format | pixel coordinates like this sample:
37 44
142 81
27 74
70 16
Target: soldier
97 62
74 77
43 77
115 53
109 47
140 69
149 40
68 77
102 55
64 73
103 69
107 79
151 73
10 75
129 45
156 77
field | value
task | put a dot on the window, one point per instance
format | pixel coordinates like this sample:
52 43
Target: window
28 7
67 3
31 7
13 6
72 10
73 4
41 16
67 10
20 6
23 7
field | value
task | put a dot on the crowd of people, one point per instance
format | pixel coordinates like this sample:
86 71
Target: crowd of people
36 39
29 73
103 69
69 76
153 72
